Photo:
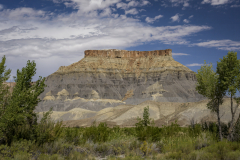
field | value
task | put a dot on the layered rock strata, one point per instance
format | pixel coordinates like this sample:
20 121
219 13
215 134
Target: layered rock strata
119 77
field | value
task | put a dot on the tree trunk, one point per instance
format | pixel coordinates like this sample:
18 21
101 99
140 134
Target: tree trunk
219 123
231 128
230 133
236 123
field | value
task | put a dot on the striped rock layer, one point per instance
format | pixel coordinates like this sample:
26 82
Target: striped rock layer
112 77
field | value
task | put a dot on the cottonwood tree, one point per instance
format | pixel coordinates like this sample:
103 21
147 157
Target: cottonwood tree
4 89
228 70
209 85
24 98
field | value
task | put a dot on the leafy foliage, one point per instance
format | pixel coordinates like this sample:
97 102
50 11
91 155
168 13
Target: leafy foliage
47 131
143 128
210 85
17 120
98 133
4 90
228 70
146 148
171 130
19 110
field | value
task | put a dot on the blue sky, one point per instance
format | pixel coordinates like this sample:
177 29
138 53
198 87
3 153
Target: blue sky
55 33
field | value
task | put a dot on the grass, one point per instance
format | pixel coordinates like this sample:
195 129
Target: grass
197 142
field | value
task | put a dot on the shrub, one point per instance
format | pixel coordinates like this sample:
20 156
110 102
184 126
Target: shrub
195 130
207 156
103 149
97 134
22 155
72 135
219 149
174 155
23 146
234 155
47 131
212 128
134 145
77 156
171 130
146 148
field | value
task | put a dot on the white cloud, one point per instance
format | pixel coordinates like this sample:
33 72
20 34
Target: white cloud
235 5
215 2
186 21
221 44
86 6
151 20
180 54
30 34
132 4
176 18
186 4
122 5
145 3
142 10
132 11
195 64
190 17
176 3
57 1
1 7
23 14
106 12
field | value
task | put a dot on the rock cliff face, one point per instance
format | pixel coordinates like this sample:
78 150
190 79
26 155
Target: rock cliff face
112 77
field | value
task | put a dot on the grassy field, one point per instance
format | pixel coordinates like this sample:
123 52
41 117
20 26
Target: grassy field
56 142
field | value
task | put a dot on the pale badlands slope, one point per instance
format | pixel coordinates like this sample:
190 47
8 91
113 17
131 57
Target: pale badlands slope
162 112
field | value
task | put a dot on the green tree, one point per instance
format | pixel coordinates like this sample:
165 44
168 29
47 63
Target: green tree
24 99
228 70
209 85
4 89
144 126
146 121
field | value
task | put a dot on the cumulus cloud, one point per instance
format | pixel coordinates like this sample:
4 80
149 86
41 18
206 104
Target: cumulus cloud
151 20
106 12
176 18
142 10
132 11
176 3
190 17
1 7
122 5
226 44
145 3
132 4
215 2
23 14
86 6
186 4
186 21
